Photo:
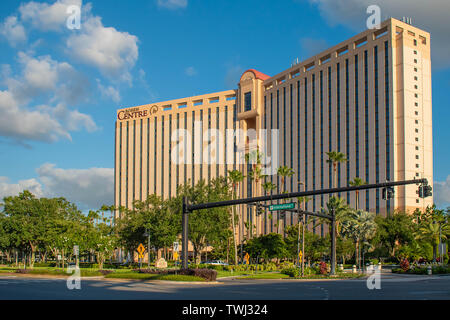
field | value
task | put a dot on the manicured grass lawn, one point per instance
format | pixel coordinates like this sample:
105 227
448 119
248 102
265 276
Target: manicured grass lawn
147 276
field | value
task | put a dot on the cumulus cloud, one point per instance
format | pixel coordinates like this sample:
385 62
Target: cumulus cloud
190 71
8 189
442 193
13 31
172 4
47 17
19 124
109 92
57 82
113 52
431 16
88 188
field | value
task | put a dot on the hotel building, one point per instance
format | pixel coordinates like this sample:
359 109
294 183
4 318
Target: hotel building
368 97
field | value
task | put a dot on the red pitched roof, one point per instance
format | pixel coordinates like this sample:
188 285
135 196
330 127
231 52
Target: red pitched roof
258 75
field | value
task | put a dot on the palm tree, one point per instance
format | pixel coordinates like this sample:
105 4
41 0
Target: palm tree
429 231
268 188
235 177
360 226
341 211
335 158
354 183
255 175
283 172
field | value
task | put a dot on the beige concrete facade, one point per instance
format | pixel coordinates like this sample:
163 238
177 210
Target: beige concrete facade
368 97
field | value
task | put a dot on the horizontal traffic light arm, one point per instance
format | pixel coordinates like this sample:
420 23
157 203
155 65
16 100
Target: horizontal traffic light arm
189 208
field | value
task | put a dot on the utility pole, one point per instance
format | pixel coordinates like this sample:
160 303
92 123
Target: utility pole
333 242
185 240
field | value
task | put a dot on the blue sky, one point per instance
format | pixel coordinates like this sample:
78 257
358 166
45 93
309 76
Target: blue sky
60 88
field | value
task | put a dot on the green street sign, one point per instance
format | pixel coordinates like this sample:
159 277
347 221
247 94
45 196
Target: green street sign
282 206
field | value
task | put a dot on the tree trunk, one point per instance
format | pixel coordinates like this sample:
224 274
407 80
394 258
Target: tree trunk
234 235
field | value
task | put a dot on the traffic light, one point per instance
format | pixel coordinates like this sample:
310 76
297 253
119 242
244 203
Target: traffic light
425 191
388 193
259 209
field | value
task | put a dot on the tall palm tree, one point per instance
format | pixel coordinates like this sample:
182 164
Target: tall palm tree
235 177
360 226
354 183
334 158
341 212
268 188
255 175
284 172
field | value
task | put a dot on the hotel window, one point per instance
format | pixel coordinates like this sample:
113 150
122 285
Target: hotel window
417 157
416 104
416 95
416 113
417 165
314 141
247 101
417 139
347 123
417 122
387 117
416 87
155 155
417 201
321 135
415 42
415 51
417 148
417 130
415 69
415 60
162 156
356 116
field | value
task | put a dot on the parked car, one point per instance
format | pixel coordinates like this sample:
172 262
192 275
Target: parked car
216 262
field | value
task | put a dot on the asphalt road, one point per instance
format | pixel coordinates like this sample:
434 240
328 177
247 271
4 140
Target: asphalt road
392 287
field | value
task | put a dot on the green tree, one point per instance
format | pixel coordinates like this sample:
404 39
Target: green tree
394 231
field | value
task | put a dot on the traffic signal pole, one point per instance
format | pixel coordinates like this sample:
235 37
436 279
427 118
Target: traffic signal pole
187 208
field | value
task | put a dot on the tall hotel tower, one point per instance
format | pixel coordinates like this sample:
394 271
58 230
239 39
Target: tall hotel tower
368 97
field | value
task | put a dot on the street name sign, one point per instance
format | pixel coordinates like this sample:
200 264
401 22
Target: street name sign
282 206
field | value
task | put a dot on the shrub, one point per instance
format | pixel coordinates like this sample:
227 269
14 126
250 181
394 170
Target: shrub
404 265
323 268
208 274
105 272
292 272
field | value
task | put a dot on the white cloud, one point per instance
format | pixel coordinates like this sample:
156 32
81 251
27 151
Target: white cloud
21 124
431 16
8 189
113 52
190 71
56 82
109 92
172 4
88 188
311 46
442 193
13 31
47 17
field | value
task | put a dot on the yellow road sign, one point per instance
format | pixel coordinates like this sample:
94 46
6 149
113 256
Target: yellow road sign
300 255
175 255
141 250
247 257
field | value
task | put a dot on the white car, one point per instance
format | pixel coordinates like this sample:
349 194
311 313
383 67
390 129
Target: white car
217 263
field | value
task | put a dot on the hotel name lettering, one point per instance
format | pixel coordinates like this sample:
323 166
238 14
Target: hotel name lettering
135 113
